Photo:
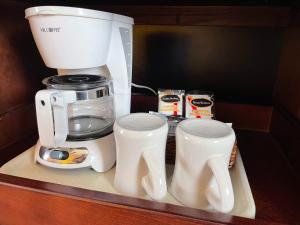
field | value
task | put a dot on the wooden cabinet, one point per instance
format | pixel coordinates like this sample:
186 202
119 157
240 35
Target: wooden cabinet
257 87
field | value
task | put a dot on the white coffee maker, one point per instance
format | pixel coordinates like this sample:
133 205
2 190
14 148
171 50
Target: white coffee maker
78 41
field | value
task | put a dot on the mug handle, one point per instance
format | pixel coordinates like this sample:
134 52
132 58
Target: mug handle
224 200
154 182
52 116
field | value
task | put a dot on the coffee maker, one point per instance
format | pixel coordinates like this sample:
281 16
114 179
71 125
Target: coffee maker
80 43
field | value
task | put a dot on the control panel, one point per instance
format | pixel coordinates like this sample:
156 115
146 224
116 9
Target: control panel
63 155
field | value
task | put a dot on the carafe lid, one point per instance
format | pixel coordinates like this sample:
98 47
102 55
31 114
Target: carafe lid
75 82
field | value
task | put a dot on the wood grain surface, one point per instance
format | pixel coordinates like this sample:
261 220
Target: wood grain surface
286 117
17 147
43 208
286 130
273 182
21 67
201 15
16 124
287 91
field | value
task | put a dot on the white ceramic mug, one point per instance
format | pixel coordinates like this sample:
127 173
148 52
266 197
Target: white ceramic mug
140 144
201 178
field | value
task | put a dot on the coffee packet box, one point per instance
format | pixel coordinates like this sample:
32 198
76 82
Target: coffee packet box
199 104
170 102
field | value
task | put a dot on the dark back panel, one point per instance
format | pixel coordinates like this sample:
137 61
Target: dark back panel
21 67
285 124
21 71
238 64
287 89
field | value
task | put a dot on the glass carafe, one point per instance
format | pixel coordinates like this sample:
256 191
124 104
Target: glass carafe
82 106
91 118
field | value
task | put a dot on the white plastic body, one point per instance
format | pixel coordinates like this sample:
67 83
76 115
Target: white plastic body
140 145
201 178
101 154
76 41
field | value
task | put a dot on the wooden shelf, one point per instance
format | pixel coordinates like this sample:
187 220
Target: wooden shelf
274 187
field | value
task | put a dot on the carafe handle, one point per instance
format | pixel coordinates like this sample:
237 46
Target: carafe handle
224 200
154 183
52 116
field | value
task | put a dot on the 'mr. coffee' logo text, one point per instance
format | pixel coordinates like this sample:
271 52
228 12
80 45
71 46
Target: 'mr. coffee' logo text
51 29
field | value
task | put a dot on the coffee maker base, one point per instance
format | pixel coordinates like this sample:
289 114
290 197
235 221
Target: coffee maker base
99 154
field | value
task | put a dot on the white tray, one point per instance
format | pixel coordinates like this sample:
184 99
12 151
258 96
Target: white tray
23 166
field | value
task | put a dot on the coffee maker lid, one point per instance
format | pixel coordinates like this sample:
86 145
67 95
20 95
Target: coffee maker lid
76 82
77 12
